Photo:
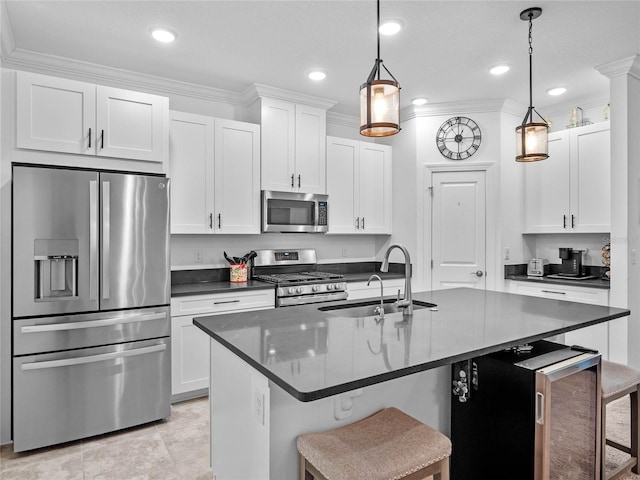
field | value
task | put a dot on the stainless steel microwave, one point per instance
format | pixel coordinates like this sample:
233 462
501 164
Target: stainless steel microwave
294 212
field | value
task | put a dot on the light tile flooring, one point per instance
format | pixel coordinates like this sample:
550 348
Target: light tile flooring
173 449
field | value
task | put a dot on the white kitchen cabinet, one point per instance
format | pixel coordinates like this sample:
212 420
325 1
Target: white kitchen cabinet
359 186
358 290
570 191
293 146
190 345
214 166
606 337
59 115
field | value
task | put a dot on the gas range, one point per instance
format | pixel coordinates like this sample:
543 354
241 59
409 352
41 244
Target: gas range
297 280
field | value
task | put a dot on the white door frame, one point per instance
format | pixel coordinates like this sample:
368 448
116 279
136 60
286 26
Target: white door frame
493 268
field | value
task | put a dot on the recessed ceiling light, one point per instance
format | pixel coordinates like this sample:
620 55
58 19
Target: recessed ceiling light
556 91
419 101
163 34
391 27
499 69
317 74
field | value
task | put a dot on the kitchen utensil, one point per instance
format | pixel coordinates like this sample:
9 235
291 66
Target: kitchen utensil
229 259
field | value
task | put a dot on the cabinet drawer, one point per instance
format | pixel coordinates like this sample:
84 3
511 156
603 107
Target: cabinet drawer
223 302
561 292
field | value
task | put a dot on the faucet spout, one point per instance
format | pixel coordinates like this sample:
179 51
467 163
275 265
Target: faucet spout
407 302
379 310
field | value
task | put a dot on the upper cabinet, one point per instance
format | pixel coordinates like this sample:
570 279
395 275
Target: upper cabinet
60 115
570 191
214 166
292 141
359 186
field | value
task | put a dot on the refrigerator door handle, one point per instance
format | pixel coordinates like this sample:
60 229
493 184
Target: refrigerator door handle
93 240
92 358
540 408
122 320
106 234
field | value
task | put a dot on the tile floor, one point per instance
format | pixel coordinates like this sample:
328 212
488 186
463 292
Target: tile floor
172 449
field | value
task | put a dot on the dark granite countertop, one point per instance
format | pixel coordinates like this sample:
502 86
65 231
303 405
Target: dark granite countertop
333 354
590 283
207 288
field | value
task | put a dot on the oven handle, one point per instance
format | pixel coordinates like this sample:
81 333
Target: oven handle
93 358
56 327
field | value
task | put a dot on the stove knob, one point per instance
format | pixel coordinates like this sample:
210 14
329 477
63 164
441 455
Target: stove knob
299 290
329 287
315 288
291 290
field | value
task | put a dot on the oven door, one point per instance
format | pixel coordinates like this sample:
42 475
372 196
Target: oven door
567 415
294 212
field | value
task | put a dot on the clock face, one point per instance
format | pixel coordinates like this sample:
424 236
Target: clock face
458 138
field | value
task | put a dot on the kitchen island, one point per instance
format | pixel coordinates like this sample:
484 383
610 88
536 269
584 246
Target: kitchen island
278 373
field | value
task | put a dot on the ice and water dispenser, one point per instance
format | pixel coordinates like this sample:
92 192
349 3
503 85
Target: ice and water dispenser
56 269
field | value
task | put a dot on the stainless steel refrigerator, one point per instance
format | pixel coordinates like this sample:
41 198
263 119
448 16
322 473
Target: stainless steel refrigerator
91 294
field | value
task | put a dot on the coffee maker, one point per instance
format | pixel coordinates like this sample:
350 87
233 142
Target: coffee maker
571 262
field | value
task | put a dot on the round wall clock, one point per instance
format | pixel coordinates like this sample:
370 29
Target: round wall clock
458 138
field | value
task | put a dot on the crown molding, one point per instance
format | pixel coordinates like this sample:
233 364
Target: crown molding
258 90
7 43
454 108
625 66
343 120
590 101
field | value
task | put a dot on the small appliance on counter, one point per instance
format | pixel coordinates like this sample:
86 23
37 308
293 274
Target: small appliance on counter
572 264
535 267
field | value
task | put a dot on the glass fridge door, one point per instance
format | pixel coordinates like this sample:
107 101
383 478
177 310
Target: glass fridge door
567 414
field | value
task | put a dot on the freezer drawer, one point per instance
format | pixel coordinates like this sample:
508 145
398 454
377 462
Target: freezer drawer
52 334
65 396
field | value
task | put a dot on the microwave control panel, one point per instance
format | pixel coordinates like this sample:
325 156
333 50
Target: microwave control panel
322 213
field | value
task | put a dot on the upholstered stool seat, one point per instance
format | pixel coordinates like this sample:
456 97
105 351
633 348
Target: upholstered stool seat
384 446
618 381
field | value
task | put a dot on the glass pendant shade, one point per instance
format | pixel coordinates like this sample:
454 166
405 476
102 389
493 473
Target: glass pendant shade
379 108
532 142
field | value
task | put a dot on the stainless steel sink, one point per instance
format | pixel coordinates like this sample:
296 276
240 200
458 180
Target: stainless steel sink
367 309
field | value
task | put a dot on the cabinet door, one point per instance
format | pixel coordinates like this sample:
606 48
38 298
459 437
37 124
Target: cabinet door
342 157
374 174
546 189
237 177
191 163
189 356
278 145
590 179
310 148
55 114
131 124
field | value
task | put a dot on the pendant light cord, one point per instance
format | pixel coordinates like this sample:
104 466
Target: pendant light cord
531 62
378 34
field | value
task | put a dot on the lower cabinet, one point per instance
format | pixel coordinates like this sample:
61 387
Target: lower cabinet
609 338
358 290
190 345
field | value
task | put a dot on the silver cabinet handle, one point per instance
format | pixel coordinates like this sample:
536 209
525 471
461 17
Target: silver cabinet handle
539 408
298 181
89 137
93 358
478 273
292 180
56 327
554 291
564 221
211 220
102 140
93 240
227 301
358 223
363 223
106 234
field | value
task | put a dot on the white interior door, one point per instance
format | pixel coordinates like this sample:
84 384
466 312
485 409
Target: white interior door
458 240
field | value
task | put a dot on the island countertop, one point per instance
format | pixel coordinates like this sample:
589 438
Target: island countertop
313 354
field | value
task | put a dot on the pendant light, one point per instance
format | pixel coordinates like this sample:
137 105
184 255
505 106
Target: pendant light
531 136
379 100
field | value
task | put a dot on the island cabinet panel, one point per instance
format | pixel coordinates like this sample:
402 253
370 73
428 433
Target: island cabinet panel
215 170
190 345
67 116
359 187
358 290
570 191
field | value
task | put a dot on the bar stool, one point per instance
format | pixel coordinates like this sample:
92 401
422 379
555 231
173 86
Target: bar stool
619 381
386 445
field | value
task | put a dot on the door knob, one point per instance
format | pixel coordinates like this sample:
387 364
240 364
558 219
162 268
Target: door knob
478 273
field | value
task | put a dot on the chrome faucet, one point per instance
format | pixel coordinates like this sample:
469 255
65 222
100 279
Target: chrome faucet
406 303
379 310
